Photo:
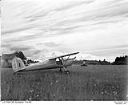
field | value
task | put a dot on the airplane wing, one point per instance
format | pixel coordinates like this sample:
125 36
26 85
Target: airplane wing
64 56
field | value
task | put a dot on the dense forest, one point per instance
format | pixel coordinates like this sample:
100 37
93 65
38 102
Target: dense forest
24 58
121 60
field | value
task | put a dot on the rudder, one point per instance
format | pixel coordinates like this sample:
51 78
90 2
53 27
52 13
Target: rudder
17 64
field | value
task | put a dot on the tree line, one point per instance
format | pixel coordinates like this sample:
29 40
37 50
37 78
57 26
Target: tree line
122 60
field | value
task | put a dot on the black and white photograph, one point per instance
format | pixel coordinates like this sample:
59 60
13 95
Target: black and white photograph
64 50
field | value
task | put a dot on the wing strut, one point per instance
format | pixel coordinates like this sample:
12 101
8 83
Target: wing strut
65 68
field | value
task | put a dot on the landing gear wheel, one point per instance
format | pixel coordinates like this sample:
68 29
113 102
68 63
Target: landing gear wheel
67 72
61 70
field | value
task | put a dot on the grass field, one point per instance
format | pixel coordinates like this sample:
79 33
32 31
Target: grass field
94 82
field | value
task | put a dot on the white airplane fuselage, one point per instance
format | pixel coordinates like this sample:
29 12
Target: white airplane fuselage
48 65
57 62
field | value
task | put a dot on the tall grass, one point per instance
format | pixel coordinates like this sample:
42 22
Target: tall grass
82 83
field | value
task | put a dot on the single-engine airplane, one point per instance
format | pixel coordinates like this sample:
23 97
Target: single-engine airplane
52 63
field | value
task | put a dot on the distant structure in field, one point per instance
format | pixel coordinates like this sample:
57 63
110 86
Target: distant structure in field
6 60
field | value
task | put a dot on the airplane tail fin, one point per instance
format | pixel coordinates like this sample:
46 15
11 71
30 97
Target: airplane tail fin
17 64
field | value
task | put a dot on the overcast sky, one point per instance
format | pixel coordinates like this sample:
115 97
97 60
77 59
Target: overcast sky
98 29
